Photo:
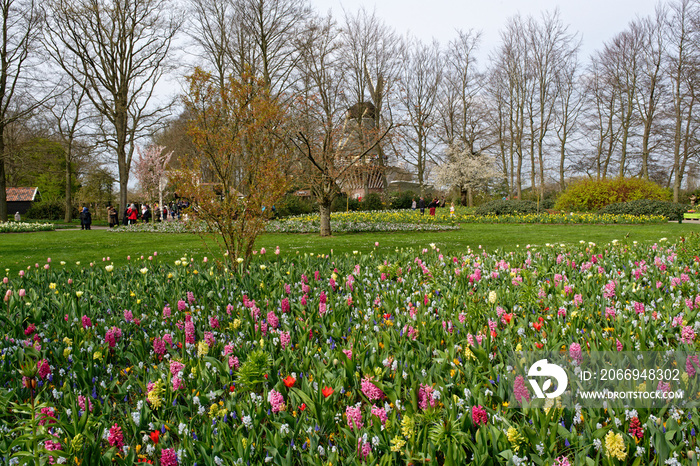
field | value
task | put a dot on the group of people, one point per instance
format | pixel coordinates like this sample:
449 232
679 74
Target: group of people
432 205
133 214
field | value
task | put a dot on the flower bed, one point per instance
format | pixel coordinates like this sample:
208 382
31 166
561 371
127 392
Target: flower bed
339 359
21 227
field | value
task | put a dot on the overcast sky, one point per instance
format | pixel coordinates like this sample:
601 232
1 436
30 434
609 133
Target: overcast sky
596 20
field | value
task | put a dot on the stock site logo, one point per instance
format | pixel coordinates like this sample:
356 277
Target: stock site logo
542 369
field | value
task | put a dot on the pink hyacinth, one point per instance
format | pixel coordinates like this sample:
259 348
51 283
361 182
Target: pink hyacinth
479 416
177 383
520 390
228 349
285 339
692 363
168 339
229 309
214 322
303 300
322 309
128 315
354 417
370 390
189 333
113 336
687 334
425 397
190 297
575 353
561 461
116 437
618 345
233 363
317 275
158 346
287 288
209 338
276 401
167 312
176 367
363 447
181 305
87 323
273 320
380 413
348 353
323 297
168 457
82 401
47 416
284 305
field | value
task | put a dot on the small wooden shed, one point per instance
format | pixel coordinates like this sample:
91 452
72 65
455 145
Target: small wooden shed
21 199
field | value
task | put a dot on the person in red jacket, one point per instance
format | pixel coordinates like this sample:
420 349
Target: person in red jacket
132 214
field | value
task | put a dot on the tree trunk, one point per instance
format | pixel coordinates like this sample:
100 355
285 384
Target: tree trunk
470 196
325 213
3 182
69 211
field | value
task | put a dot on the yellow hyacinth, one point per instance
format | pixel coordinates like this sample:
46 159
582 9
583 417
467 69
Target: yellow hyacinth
615 446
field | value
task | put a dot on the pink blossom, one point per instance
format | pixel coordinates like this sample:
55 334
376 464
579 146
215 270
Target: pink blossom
113 336
354 417
176 367
181 305
167 312
233 363
116 437
158 346
284 305
214 322
285 339
189 333
82 401
190 297
276 401
348 353
87 323
273 320
168 457
209 338
425 397
479 415
692 363
363 447
575 353
520 390
687 334
370 390
128 315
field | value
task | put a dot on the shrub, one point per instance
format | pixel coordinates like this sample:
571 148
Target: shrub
291 204
373 201
49 210
501 207
402 200
670 210
341 204
592 195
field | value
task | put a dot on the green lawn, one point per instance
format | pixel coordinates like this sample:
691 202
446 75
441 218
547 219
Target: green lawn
20 250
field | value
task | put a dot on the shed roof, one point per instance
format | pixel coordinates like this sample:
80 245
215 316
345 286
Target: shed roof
21 194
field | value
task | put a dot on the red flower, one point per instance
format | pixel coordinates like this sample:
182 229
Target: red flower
232 388
537 326
155 436
539 345
302 407
289 381
327 391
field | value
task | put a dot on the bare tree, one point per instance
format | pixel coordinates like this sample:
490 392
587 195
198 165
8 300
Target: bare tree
71 120
326 158
21 23
683 62
510 86
117 50
649 83
371 54
421 74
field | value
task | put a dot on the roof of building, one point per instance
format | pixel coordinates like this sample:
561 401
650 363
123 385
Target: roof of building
21 194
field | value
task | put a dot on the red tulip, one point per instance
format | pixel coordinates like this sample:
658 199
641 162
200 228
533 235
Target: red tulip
327 391
289 381
302 407
155 436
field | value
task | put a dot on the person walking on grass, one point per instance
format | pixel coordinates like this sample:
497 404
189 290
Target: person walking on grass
85 219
